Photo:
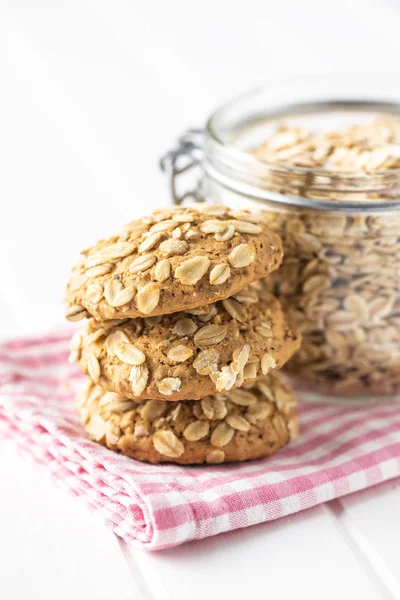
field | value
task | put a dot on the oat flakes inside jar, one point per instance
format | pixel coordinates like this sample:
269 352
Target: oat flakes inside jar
322 159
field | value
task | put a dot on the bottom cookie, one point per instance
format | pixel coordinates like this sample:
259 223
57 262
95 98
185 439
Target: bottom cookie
244 424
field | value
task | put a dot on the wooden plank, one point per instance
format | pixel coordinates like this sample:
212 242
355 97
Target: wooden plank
303 556
371 519
50 546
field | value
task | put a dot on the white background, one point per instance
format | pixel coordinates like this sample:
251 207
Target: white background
92 93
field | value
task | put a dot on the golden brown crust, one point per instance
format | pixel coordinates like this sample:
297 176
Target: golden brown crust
244 424
175 260
188 355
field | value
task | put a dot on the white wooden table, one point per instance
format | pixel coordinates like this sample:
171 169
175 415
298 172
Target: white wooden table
92 92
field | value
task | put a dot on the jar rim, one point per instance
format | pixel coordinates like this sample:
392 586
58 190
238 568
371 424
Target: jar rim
241 162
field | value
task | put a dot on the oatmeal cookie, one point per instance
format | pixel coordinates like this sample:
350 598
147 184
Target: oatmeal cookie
177 259
242 424
189 354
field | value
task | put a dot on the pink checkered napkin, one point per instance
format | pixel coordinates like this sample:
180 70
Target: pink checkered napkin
339 451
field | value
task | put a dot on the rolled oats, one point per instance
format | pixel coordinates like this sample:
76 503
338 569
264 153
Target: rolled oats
110 398
379 308
210 335
76 313
184 327
114 339
241 256
142 263
198 412
75 346
244 215
267 362
139 377
250 371
226 378
264 329
77 282
180 353
173 246
175 414
162 270
184 218
112 434
266 391
153 409
192 270
141 430
214 210
206 361
93 367
222 435
129 354
258 412
116 295
238 422
169 385
121 406
213 226
279 424
242 397
114 251
166 443
247 295
96 427
284 401
99 270
358 306
225 235
215 457
240 357
196 430
209 313
339 278
94 292
246 227
192 234
219 274
213 408
148 298
150 241
235 309
96 335
164 226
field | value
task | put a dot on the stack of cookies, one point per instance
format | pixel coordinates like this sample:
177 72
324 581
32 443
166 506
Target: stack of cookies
182 337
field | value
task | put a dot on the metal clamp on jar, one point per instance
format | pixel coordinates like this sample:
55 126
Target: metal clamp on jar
340 279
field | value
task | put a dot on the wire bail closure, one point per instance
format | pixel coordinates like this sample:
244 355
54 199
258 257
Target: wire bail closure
185 159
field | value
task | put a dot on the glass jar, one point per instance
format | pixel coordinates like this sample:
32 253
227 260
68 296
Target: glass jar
340 278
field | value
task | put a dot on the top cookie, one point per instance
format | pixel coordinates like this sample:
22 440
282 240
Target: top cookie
177 259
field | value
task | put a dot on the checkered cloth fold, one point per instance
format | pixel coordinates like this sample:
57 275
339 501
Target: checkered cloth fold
340 450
